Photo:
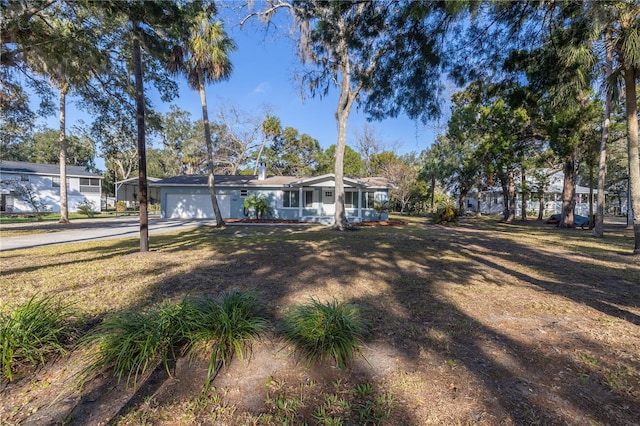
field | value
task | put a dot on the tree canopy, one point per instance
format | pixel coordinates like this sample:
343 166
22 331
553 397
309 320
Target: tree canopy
538 83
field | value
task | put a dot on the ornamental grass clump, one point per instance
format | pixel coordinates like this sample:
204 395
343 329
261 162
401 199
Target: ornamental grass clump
224 328
325 331
32 332
133 344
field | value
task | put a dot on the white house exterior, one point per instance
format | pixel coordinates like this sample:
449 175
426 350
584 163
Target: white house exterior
310 199
44 182
492 200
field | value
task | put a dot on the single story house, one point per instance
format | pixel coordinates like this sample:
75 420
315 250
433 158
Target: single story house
307 199
41 182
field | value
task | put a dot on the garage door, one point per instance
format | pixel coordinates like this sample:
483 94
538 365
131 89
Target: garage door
196 206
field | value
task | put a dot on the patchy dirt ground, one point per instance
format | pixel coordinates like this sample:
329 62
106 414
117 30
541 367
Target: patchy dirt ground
480 323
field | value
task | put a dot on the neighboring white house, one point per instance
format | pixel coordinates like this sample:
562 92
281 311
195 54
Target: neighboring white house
492 201
43 181
309 199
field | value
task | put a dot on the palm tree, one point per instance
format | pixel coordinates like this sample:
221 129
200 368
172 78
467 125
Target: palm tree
65 58
618 24
271 129
203 58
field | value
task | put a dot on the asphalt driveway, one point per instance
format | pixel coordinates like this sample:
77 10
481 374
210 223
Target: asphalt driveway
81 230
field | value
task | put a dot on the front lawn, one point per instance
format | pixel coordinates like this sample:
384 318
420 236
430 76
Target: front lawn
479 323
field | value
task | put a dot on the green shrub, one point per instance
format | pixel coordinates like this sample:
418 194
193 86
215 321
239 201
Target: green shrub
258 204
446 213
325 330
86 207
33 331
381 207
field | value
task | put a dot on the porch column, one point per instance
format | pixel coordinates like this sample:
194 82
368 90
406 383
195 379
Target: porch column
300 202
360 203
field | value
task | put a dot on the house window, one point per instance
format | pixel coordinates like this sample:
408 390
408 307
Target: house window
24 178
89 185
328 194
368 200
290 199
308 198
55 182
351 199
244 192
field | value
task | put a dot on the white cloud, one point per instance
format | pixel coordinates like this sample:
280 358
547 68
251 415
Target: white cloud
261 88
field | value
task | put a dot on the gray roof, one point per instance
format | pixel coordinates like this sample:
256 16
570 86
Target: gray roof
244 181
22 167
225 180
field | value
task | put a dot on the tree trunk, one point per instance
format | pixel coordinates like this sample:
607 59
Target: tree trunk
505 198
591 221
568 194
64 198
523 191
462 205
341 223
598 229
345 102
433 192
541 207
209 143
512 198
142 149
634 155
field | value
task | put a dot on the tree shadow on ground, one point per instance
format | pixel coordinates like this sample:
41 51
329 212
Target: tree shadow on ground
524 355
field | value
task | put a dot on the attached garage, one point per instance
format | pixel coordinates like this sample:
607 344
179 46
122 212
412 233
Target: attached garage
195 206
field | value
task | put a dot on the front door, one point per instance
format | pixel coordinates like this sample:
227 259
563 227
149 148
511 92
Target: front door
328 201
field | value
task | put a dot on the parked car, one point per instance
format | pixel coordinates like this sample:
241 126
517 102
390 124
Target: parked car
578 220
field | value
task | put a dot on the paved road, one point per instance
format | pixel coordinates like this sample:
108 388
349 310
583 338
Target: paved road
90 230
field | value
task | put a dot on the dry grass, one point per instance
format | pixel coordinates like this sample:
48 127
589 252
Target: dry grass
480 323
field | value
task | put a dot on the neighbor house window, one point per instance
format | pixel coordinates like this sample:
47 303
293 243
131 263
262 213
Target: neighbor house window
24 178
89 185
244 192
290 199
55 181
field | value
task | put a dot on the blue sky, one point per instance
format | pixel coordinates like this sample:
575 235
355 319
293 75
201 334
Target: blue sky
263 75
